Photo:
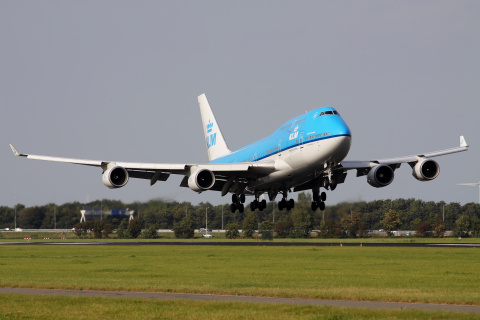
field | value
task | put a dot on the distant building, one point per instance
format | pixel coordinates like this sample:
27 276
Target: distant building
97 212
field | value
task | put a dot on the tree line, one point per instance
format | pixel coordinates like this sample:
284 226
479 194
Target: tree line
346 219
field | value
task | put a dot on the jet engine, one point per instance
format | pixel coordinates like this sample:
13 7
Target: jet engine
115 177
426 170
380 176
201 180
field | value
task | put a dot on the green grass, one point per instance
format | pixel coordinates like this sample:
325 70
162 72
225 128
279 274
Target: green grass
57 307
218 237
440 275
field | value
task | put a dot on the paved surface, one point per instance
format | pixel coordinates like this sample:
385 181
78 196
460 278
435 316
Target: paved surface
214 297
259 243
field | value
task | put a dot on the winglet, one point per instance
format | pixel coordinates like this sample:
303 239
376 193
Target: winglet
15 152
463 142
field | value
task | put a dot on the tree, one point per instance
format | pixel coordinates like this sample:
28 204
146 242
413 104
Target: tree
439 228
80 230
232 231
463 225
185 229
150 233
283 227
249 225
122 230
391 222
323 230
423 229
301 217
351 224
266 230
134 228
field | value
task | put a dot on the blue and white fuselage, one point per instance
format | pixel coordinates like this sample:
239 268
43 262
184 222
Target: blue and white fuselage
302 146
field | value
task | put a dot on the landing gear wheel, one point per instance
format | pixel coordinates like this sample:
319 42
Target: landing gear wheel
241 208
253 206
242 198
291 202
233 207
314 206
263 204
234 198
321 205
323 196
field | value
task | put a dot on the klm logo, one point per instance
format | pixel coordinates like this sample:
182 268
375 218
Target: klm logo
209 126
211 137
294 134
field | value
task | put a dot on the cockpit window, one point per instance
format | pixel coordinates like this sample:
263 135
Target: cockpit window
328 112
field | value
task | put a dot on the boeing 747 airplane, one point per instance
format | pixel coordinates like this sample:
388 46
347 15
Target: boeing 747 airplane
305 153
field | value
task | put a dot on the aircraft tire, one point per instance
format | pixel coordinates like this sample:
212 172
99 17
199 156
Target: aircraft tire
314 206
241 208
323 196
242 198
321 205
233 207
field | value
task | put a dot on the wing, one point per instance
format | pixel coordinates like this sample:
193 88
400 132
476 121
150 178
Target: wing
226 174
364 167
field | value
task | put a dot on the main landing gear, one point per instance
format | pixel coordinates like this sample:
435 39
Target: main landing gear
239 200
285 203
318 200
237 203
258 204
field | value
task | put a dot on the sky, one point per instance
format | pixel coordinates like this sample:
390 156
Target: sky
119 80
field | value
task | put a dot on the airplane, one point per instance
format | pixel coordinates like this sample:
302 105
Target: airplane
473 184
305 153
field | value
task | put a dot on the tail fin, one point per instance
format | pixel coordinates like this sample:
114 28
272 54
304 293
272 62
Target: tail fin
216 145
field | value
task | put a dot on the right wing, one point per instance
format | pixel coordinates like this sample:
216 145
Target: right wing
424 169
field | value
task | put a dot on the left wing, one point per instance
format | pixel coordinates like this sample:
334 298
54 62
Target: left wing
199 177
380 172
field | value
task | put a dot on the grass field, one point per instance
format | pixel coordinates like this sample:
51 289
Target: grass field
440 275
21 307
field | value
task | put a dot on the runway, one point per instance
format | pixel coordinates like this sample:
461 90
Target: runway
249 299
259 243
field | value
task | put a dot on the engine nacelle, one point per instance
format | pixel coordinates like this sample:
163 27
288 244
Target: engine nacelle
115 177
426 170
380 176
201 180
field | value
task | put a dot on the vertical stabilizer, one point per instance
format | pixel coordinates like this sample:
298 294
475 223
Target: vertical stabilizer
216 145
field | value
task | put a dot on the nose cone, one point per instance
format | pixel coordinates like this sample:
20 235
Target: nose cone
341 129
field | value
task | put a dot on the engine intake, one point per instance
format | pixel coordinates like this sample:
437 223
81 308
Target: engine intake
115 177
380 176
426 170
201 180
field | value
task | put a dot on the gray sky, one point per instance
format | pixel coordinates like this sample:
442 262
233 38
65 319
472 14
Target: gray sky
119 80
